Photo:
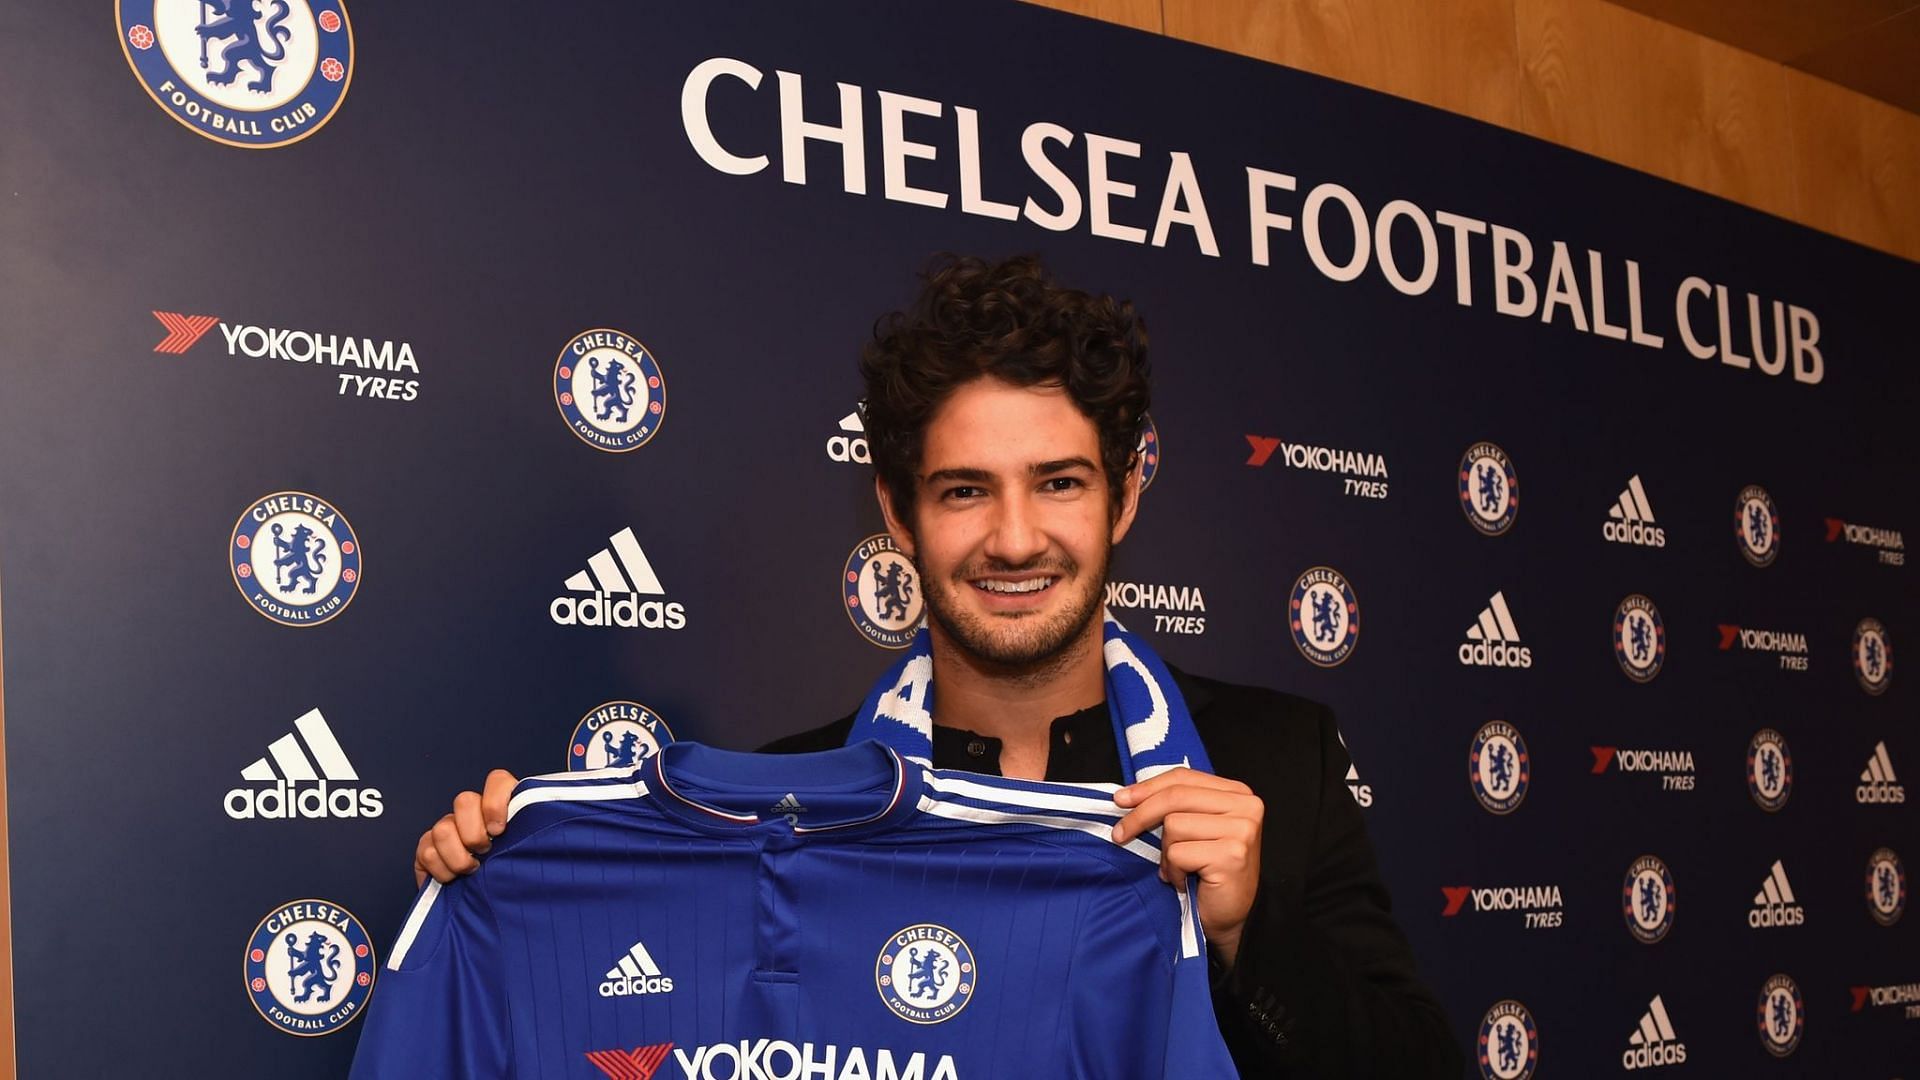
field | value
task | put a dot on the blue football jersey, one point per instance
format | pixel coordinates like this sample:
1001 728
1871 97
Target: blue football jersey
847 915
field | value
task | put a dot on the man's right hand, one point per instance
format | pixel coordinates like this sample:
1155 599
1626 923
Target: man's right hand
448 850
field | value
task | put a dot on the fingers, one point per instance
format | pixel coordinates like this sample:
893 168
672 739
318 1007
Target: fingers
427 862
467 823
1215 861
1134 794
1232 799
494 800
452 856
447 850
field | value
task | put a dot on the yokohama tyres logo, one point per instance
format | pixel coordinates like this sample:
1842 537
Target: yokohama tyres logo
639 1063
182 331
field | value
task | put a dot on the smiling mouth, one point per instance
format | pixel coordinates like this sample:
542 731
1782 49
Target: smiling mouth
1015 588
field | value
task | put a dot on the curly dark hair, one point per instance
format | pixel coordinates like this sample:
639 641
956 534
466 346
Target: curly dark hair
1006 320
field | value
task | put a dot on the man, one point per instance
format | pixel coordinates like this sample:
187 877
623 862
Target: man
1003 414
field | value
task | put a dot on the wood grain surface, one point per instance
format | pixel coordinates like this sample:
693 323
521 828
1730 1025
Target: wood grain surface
1604 79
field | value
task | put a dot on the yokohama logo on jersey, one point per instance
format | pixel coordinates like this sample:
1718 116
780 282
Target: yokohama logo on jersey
772 1059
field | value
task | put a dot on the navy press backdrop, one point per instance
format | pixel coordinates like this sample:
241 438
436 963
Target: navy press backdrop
465 335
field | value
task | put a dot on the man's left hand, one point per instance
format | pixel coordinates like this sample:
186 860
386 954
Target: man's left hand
1210 827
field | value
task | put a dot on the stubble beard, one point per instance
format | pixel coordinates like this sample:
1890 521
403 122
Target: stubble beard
1028 650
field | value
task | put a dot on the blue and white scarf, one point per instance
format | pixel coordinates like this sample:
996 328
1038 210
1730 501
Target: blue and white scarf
1150 719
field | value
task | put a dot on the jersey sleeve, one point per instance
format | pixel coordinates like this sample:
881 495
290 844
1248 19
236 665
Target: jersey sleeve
439 1009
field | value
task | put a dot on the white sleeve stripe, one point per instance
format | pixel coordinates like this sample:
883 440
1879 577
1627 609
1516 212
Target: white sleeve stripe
985 816
414 918
581 778
597 793
1053 799
1189 924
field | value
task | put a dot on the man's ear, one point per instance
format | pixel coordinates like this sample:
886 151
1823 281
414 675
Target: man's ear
1129 498
902 536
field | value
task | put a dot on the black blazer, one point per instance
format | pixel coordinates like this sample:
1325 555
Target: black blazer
1325 983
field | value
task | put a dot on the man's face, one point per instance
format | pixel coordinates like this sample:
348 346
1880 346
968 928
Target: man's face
1012 522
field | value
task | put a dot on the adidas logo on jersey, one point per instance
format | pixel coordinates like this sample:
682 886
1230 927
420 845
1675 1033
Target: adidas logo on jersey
789 807
617 576
1655 1043
1877 782
1774 904
1494 641
299 791
635 974
851 444
1630 520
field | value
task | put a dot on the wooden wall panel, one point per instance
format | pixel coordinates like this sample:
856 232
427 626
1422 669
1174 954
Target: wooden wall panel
1776 29
1856 165
1618 84
1600 78
1139 14
1457 55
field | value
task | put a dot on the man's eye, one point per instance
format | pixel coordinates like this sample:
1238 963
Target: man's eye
961 493
1062 483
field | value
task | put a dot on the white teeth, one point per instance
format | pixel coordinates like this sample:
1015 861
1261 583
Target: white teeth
1034 585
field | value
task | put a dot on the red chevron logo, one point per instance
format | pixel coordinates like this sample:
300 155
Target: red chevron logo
1834 526
182 330
1727 634
1263 449
638 1063
1456 896
1860 996
1602 757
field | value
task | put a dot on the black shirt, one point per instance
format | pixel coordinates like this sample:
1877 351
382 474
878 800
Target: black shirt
1080 748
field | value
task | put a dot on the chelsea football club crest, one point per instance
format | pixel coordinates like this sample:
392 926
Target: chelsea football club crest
256 74
1489 489
1149 451
1769 770
1647 899
1499 767
310 967
609 390
616 735
881 589
1509 1043
926 974
1886 887
1324 615
1756 525
1639 638
1782 1016
1872 657
295 558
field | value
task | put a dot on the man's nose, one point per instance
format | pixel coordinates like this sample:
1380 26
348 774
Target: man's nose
1017 538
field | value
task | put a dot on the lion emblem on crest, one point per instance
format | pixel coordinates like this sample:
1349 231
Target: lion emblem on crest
314 968
304 557
260 43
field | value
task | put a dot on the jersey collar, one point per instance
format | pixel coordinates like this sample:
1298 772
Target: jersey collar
862 765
